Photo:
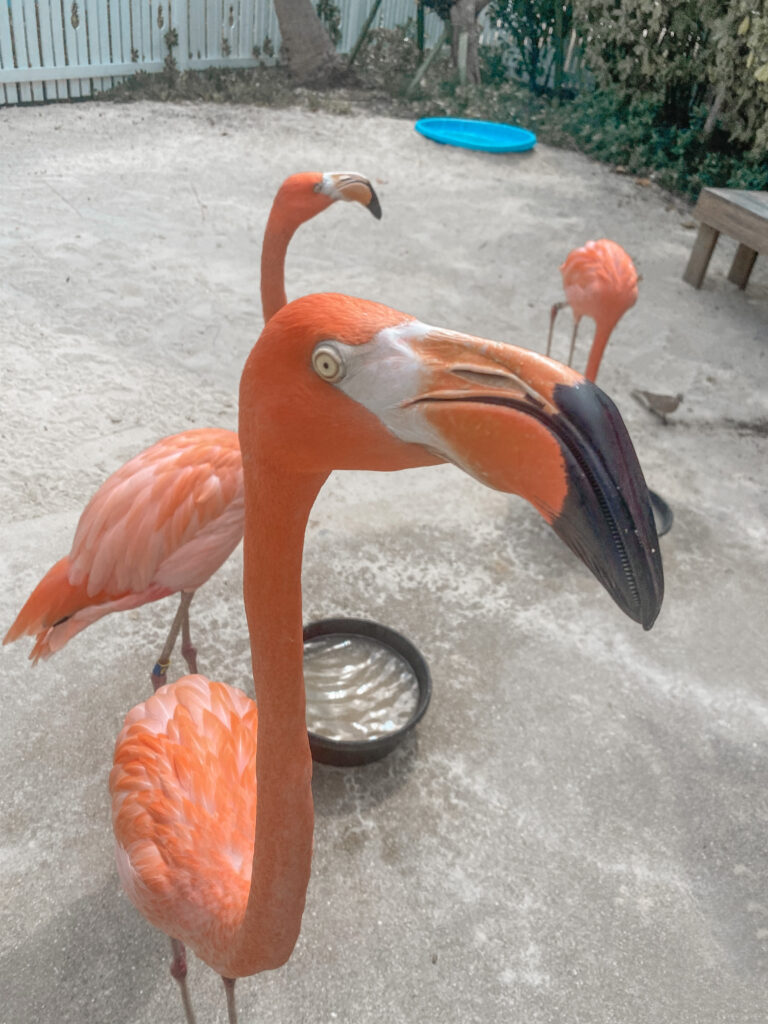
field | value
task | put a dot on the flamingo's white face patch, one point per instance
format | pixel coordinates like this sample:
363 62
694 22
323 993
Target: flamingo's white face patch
384 375
332 183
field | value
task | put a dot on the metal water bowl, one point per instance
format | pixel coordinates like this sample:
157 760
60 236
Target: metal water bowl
349 752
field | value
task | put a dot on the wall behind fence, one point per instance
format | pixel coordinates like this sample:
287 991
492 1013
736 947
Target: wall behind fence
66 49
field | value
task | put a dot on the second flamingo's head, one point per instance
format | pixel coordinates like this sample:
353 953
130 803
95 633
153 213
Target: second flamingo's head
341 383
309 193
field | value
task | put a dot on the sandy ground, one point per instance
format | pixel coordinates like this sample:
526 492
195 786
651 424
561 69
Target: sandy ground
578 830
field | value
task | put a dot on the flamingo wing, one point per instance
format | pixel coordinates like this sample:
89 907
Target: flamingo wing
163 522
183 790
182 495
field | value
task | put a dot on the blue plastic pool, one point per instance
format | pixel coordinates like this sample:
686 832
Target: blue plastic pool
490 136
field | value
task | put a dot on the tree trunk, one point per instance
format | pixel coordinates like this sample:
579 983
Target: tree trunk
464 38
306 49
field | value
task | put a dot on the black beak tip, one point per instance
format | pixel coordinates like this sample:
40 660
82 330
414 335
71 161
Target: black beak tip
607 519
374 205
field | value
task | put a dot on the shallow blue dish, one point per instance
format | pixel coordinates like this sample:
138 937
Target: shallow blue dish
490 136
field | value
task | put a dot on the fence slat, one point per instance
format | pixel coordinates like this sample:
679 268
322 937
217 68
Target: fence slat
213 29
158 27
67 8
10 93
93 38
52 38
247 25
145 46
181 24
33 45
197 30
20 47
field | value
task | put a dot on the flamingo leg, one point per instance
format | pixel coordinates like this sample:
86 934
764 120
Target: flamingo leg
573 339
158 675
552 317
229 988
188 649
179 972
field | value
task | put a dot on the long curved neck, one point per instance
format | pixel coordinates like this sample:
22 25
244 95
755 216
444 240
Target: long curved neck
284 218
603 331
277 235
277 507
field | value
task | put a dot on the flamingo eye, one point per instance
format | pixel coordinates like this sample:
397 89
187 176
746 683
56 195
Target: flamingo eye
328 364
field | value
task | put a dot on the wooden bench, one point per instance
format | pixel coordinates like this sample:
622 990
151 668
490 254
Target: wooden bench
738 213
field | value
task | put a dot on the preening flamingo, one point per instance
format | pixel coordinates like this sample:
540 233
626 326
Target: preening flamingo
341 383
600 280
171 516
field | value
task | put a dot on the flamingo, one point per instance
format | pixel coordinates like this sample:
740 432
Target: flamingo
171 516
341 383
600 280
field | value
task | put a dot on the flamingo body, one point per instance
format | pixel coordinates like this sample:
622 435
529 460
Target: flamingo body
183 792
600 281
163 522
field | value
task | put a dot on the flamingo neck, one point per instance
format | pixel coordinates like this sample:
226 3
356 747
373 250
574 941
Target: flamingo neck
277 505
276 238
285 217
603 331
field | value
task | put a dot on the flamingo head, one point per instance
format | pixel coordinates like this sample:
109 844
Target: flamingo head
340 383
309 193
600 281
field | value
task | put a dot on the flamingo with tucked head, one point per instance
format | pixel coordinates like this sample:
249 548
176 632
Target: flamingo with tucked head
341 383
600 280
171 516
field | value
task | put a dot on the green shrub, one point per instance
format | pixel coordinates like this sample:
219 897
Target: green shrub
535 34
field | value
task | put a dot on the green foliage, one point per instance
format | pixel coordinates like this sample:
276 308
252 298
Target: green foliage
681 55
642 47
330 15
739 73
535 33
171 39
493 65
634 135
389 58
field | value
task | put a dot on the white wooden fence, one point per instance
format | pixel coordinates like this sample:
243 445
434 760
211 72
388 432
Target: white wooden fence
66 49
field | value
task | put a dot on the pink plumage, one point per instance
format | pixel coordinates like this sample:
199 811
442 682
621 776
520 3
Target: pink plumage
183 790
600 281
162 523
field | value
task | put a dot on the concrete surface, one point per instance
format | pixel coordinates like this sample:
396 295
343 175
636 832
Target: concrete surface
577 832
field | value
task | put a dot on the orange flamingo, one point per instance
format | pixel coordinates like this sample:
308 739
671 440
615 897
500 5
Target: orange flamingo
600 280
341 383
171 516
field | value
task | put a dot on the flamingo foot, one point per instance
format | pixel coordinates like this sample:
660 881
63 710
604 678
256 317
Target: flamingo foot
158 676
229 988
179 972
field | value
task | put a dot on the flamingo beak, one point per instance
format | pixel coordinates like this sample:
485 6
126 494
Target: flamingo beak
527 425
351 188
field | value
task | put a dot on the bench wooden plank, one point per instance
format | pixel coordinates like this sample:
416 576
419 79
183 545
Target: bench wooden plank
739 213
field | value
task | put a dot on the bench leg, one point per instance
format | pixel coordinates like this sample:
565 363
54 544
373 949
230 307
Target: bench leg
700 256
742 265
